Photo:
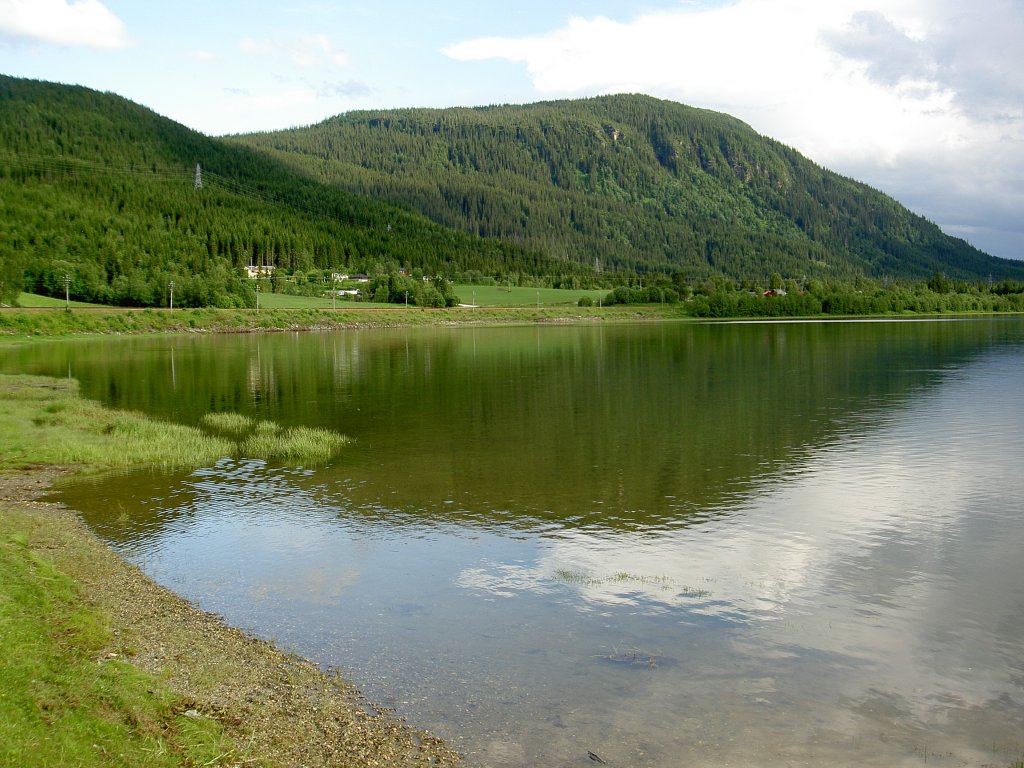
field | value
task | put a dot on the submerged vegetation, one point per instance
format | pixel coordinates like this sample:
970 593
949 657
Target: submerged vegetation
625 578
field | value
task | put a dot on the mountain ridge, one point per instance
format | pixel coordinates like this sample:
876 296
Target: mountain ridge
643 184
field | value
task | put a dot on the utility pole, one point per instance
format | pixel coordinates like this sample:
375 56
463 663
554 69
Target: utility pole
171 286
67 292
199 177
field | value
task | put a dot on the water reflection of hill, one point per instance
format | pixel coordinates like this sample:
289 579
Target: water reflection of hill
655 425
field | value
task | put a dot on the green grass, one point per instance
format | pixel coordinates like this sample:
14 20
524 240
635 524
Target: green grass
287 301
65 698
234 425
44 420
34 301
18 325
485 295
292 444
502 296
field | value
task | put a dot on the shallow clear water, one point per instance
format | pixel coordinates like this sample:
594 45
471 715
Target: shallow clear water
766 544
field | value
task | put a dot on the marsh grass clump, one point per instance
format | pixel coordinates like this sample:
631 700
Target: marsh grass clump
228 423
311 445
44 420
269 440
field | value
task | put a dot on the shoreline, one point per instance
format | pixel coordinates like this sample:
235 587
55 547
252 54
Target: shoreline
20 325
276 708
26 325
280 709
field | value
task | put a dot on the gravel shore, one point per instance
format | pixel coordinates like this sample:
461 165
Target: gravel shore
281 709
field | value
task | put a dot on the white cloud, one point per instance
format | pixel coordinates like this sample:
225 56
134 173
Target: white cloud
861 86
344 89
289 81
312 51
768 61
86 23
283 100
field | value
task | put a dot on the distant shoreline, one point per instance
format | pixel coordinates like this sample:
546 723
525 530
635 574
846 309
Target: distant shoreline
20 325
57 322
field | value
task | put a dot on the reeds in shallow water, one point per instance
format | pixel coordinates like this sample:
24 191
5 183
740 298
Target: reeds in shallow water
234 425
307 445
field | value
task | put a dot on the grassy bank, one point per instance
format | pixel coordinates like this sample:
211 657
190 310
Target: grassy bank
516 296
22 323
44 421
101 667
68 697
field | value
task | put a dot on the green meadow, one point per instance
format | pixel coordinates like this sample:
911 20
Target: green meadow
35 301
503 296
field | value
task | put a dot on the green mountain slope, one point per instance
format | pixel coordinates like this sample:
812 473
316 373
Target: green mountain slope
628 183
98 188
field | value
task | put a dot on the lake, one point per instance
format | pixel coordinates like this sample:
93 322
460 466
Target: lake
764 544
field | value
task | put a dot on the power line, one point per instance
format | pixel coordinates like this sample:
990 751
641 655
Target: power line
72 165
202 178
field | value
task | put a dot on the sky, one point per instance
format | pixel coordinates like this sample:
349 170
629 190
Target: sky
922 99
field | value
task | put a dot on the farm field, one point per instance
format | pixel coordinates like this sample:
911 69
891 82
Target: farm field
35 301
481 295
501 296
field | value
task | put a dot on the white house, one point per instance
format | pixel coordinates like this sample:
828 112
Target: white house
256 270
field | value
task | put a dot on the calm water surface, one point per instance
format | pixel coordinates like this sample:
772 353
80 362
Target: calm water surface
765 544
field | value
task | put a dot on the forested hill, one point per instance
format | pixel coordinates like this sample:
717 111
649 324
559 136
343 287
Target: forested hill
628 182
103 190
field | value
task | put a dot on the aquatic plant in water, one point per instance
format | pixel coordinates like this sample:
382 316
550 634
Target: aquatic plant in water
269 440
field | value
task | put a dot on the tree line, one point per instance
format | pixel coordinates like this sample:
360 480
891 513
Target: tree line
723 298
101 191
